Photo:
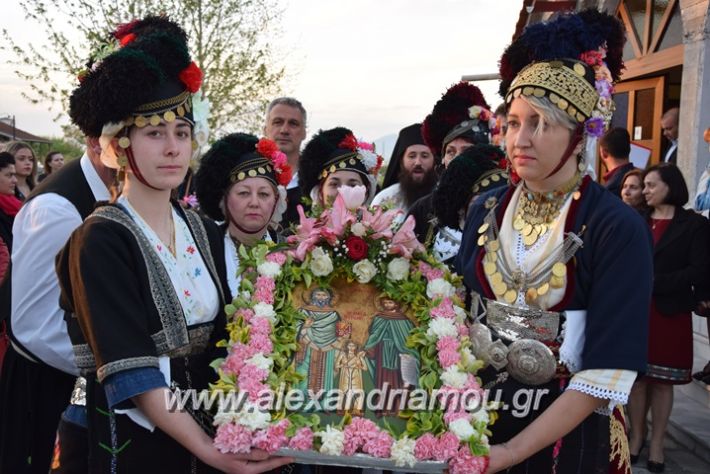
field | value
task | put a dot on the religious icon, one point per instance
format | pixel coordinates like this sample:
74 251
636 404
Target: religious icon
351 363
318 341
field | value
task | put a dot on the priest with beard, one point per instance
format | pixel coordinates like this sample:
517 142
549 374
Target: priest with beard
411 173
460 119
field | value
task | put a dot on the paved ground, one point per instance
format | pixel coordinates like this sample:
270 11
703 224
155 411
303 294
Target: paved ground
679 460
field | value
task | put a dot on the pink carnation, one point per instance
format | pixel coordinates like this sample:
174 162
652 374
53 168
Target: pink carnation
463 330
446 447
302 440
447 343
425 447
279 159
357 433
453 415
448 358
246 314
366 146
260 326
250 381
445 309
264 292
472 384
233 438
277 257
466 463
235 360
379 445
273 438
261 343
429 272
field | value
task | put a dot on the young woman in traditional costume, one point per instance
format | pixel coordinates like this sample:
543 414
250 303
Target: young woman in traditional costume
561 267
241 182
332 159
143 279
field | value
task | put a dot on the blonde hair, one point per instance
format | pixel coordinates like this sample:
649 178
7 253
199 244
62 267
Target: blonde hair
549 113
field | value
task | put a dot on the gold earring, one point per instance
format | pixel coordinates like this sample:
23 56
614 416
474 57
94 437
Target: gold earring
124 142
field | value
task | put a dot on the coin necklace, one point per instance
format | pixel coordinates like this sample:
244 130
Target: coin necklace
537 211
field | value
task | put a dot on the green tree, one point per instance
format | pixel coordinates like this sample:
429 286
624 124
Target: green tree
230 41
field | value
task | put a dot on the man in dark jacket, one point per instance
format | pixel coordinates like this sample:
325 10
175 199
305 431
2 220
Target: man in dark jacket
614 149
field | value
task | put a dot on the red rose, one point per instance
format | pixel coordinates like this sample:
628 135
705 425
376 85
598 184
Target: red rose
191 76
357 247
266 147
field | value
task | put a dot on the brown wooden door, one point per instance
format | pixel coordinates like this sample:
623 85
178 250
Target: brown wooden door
639 106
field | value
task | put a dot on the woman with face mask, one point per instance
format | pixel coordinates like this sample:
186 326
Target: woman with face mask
144 278
332 159
241 183
561 267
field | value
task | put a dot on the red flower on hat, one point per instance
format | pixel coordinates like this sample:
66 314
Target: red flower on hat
266 147
124 29
356 247
127 39
349 143
191 76
284 177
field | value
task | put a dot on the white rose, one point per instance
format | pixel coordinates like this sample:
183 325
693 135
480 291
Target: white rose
440 287
398 269
321 264
364 270
441 327
453 377
252 418
358 229
262 362
402 452
264 310
462 429
460 314
269 269
332 441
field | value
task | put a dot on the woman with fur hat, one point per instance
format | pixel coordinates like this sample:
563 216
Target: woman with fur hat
562 267
241 183
335 158
142 278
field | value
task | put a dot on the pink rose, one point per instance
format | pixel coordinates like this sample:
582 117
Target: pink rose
425 447
233 438
302 440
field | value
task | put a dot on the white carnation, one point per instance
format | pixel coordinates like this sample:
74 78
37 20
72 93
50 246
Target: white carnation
332 441
321 264
453 377
480 415
252 418
264 310
462 429
460 314
402 452
398 269
368 158
365 271
358 229
269 269
224 416
467 357
441 327
440 288
261 361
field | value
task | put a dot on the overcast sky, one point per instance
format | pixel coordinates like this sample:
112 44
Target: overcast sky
374 66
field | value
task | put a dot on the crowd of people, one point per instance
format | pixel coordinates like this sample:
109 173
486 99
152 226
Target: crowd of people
117 266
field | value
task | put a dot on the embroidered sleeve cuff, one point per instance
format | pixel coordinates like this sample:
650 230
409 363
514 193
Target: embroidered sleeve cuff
610 384
120 387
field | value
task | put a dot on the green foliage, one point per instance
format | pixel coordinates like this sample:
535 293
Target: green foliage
231 40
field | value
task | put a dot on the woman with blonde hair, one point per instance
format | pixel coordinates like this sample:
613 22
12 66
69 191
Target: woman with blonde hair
25 167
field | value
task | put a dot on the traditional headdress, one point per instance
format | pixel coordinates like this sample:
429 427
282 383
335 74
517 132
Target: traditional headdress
334 150
462 112
572 61
234 158
477 169
142 74
408 136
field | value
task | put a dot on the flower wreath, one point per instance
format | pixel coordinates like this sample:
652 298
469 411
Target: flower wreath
603 83
356 243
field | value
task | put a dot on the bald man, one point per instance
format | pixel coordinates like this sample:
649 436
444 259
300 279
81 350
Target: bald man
669 125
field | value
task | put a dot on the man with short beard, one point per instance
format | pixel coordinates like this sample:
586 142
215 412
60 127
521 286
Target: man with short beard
414 165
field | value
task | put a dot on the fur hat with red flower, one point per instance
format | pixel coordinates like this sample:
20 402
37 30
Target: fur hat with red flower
234 158
334 150
462 112
142 74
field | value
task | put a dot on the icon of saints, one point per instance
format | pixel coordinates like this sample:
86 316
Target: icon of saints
351 363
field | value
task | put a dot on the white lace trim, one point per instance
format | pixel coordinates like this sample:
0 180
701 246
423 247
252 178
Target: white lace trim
615 397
